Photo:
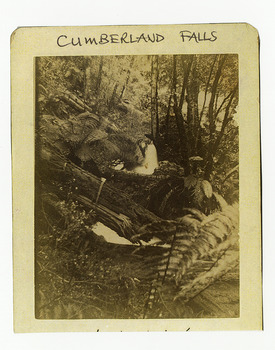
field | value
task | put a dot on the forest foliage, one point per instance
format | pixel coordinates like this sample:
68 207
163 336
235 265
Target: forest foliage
97 111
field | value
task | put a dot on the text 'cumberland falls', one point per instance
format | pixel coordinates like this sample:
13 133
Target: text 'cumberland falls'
125 38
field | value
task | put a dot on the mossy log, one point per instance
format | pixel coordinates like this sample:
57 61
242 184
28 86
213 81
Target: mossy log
114 208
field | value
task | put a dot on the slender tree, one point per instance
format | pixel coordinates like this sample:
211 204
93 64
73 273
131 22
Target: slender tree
128 74
154 99
184 145
99 76
214 146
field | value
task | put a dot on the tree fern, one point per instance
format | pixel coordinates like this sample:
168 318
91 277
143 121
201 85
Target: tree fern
169 196
224 264
198 255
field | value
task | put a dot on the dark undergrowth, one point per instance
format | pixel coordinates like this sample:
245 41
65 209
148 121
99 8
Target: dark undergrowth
81 276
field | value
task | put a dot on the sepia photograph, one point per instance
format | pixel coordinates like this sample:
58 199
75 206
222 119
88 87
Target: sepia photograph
137 186
136 178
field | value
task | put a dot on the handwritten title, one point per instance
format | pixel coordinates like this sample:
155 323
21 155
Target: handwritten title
184 36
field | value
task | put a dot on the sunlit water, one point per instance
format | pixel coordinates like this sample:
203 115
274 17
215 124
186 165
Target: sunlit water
150 162
148 166
111 236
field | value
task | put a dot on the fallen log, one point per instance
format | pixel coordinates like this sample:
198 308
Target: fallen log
114 208
117 222
74 101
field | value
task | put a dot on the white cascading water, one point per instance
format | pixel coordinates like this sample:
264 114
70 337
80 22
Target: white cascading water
108 234
150 162
111 236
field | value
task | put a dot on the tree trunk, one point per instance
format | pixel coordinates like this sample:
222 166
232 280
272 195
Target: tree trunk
73 101
114 208
198 133
212 119
213 95
113 97
154 100
98 81
215 143
167 119
127 78
192 110
185 79
184 148
88 80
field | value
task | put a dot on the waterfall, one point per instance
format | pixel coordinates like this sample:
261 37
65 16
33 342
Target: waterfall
111 236
150 162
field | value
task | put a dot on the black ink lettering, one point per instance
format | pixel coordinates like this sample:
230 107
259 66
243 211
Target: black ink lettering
131 39
122 39
77 43
142 37
193 36
199 37
125 38
58 41
114 40
204 36
103 39
184 35
159 38
209 39
214 36
151 39
90 41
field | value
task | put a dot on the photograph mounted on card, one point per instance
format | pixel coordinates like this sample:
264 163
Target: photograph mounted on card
136 178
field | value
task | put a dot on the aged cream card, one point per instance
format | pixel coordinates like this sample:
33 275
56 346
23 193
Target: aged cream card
136 178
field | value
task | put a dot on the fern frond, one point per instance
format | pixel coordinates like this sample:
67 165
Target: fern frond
226 263
196 213
190 222
96 135
163 230
212 232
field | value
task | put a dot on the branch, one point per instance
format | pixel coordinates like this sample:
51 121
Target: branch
213 94
206 87
225 121
213 147
221 105
187 71
184 145
198 134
